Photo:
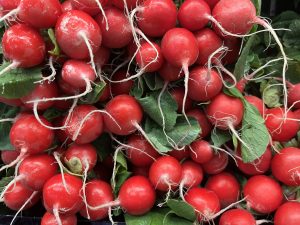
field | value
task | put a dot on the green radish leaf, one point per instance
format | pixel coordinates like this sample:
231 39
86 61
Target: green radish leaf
291 39
271 94
257 4
220 137
138 88
4 182
103 146
153 81
182 209
172 219
52 113
94 95
154 217
17 83
56 50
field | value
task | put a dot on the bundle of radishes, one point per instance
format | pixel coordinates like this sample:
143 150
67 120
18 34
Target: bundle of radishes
149 111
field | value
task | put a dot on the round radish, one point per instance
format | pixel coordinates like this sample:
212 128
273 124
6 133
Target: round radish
233 45
11 102
7 5
91 7
49 219
294 96
180 154
140 171
170 73
257 102
212 3
286 166
178 95
237 217
263 194
217 164
192 174
122 87
131 4
102 56
105 94
205 125
201 151
8 156
288 213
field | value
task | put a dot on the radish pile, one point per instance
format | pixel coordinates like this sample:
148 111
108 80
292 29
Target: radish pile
149 111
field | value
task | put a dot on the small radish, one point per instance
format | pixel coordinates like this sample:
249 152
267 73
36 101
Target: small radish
202 119
288 213
286 166
279 128
140 171
165 173
8 156
126 112
141 153
263 194
237 217
201 151
91 7
178 95
232 55
180 154
257 102
226 187
49 219
294 96
170 73
105 94
68 89
217 164
7 5
102 57
122 87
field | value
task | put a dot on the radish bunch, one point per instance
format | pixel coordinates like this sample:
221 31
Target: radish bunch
144 107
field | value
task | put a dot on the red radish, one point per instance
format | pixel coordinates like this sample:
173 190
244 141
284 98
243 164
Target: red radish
237 217
208 42
226 187
11 102
105 94
170 73
68 89
23 46
122 87
49 219
258 166
297 114
141 153
257 102
165 173
217 164
126 112
204 85
263 194
67 6
194 14
102 56
286 166
205 125
225 112
279 128
78 34
180 154
149 57
119 34
91 7
288 213
140 171
97 193
7 5
61 135
293 95
8 156
205 202
212 3
233 45
44 90
131 4
156 17
201 151
178 95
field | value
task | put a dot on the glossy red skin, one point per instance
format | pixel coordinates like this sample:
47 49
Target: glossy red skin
92 127
157 17
8 156
217 164
119 33
24 45
101 57
192 174
122 87
55 195
12 102
61 135
68 89
294 96
202 86
86 153
178 95
40 14
226 187
140 171
44 90
89 6
8 5
263 193
203 121
233 45
26 134
297 114
286 166
165 173
236 17
237 217
63 104
208 42
147 54
126 111
72 44
131 4
17 194
279 129
136 157
179 47
288 213
223 110
257 102
258 166
67 6
212 3
137 195
203 201
105 94
74 72
194 14
170 73
33 166
97 193
201 151
49 219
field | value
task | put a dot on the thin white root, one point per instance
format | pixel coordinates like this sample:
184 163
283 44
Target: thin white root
106 205
258 222
119 67
110 216
61 168
113 176
56 215
51 77
23 154
83 188
103 14
228 153
13 12
7 120
212 55
186 82
181 187
231 75
12 182
10 67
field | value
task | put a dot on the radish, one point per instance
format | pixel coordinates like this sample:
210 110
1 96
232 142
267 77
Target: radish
49 219
217 164
293 95
123 87
257 102
140 171
11 102
205 125
212 3
127 114
170 73
8 5
131 4
201 151
23 46
237 217
263 194
286 166
288 213
233 45
180 154
37 13
105 94
226 187
8 156
67 6
101 57
194 14
281 127
178 94
141 153
91 7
